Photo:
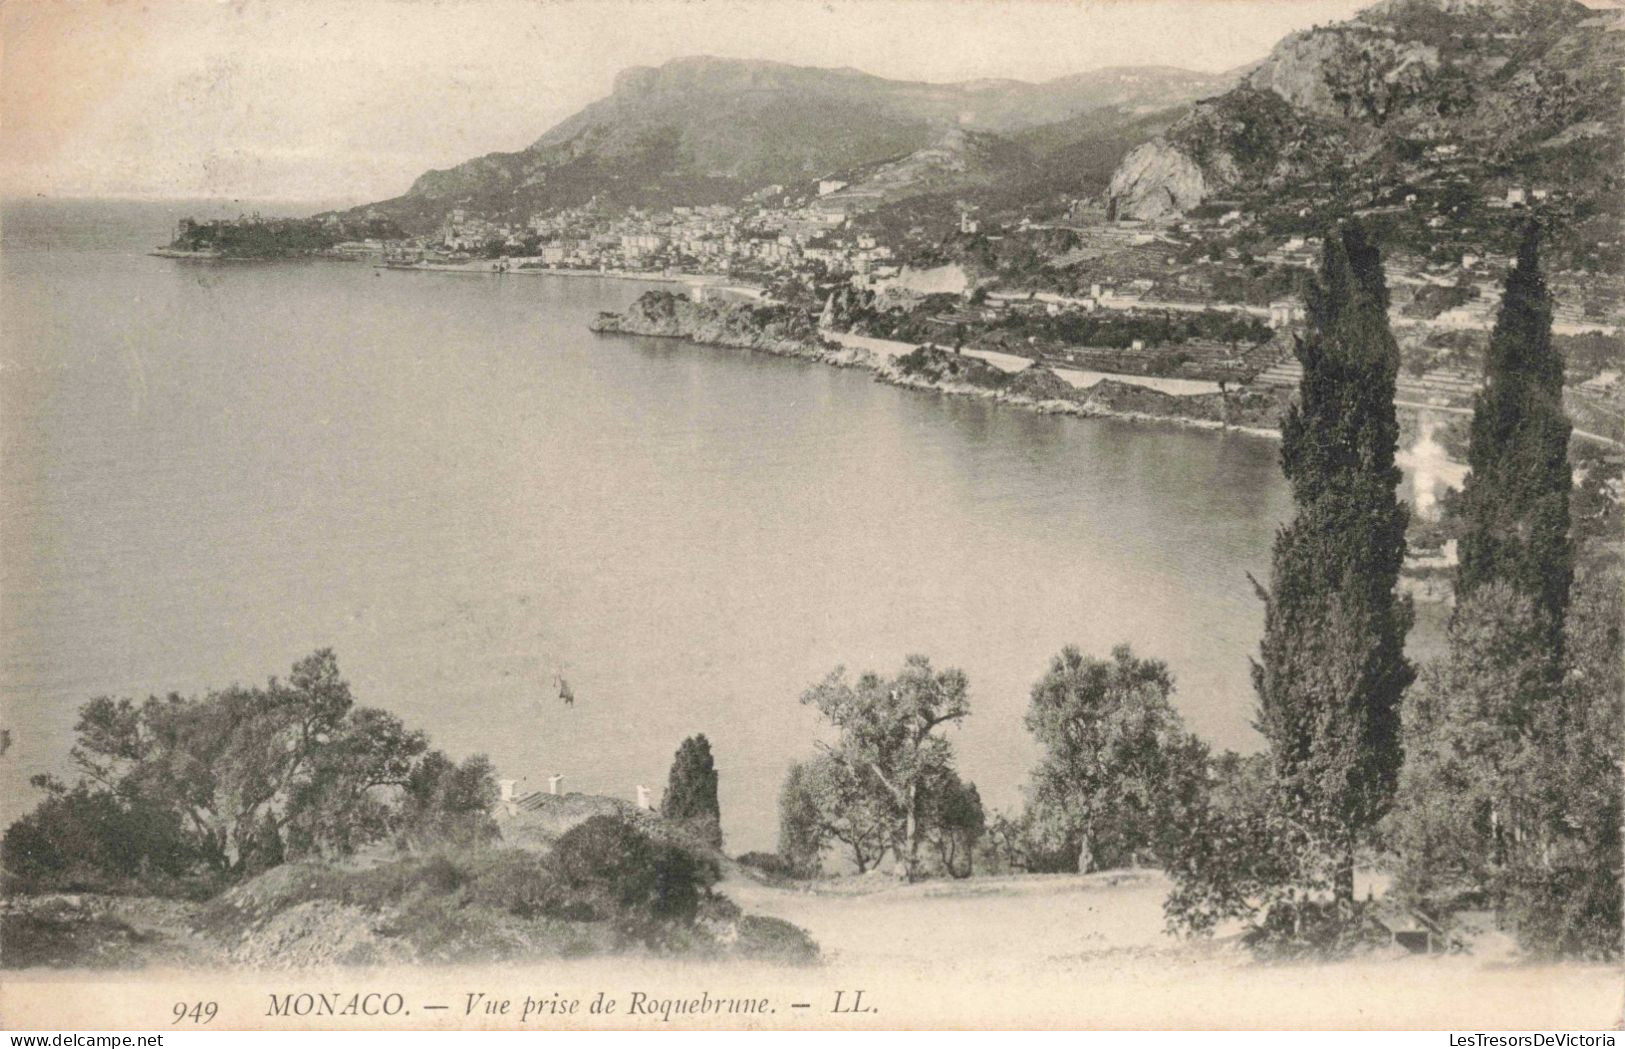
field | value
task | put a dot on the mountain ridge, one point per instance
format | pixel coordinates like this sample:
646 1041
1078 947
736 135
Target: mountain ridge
703 129
1495 79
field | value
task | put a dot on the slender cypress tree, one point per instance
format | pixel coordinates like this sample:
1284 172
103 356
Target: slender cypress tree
1496 714
1332 667
1515 503
691 790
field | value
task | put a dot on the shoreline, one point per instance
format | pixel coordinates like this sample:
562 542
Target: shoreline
889 349
489 267
706 325
875 353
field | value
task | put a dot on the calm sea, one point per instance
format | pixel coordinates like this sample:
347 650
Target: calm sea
210 470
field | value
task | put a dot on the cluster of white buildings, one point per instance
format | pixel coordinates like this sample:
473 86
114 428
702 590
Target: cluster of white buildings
711 238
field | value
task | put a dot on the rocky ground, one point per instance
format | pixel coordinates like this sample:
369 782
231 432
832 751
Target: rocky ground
1011 951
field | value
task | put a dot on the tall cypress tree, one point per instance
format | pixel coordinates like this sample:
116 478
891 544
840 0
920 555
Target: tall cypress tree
1515 503
1332 667
691 790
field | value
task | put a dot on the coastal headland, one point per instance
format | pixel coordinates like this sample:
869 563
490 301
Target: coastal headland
1005 378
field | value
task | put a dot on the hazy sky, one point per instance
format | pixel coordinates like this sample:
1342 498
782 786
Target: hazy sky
349 100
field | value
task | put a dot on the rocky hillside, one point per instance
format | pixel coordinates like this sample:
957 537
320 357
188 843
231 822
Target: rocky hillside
1518 88
703 130
579 876
958 161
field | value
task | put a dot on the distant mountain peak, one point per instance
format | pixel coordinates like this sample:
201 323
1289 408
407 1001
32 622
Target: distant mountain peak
706 129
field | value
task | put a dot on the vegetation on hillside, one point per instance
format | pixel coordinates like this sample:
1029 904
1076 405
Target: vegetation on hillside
274 238
241 779
319 831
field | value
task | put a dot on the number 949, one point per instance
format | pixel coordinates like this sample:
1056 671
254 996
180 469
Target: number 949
196 1012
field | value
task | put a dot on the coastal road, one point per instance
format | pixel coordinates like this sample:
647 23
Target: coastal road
1009 362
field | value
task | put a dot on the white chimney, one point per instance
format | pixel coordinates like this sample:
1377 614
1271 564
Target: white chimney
643 798
553 783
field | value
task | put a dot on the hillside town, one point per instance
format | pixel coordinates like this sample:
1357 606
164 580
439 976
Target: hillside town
1073 286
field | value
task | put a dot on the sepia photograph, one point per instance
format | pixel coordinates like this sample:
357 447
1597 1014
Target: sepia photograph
919 515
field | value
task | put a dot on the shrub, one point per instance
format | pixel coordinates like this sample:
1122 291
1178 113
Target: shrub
769 863
775 940
95 840
60 934
522 884
625 869
1313 929
439 875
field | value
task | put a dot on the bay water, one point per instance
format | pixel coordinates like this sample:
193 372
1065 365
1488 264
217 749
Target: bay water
211 469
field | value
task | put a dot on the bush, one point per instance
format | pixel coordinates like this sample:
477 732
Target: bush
608 888
524 885
94 840
774 940
440 875
627 871
1313 929
769 863
1569 911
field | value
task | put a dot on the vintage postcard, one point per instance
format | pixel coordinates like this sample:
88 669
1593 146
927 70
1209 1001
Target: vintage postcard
867 514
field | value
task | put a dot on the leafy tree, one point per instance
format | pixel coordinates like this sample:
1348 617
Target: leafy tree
824 803
88 839
1514 505
1332 667
256 775
447 802
888 747
1118 763
227 760
691 790
801 833
1241 857
1596 513
1002 847
955 822
346 794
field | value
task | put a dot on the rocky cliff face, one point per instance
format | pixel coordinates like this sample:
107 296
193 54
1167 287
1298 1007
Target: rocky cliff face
1157 180
778 330
1499 80
1357 72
